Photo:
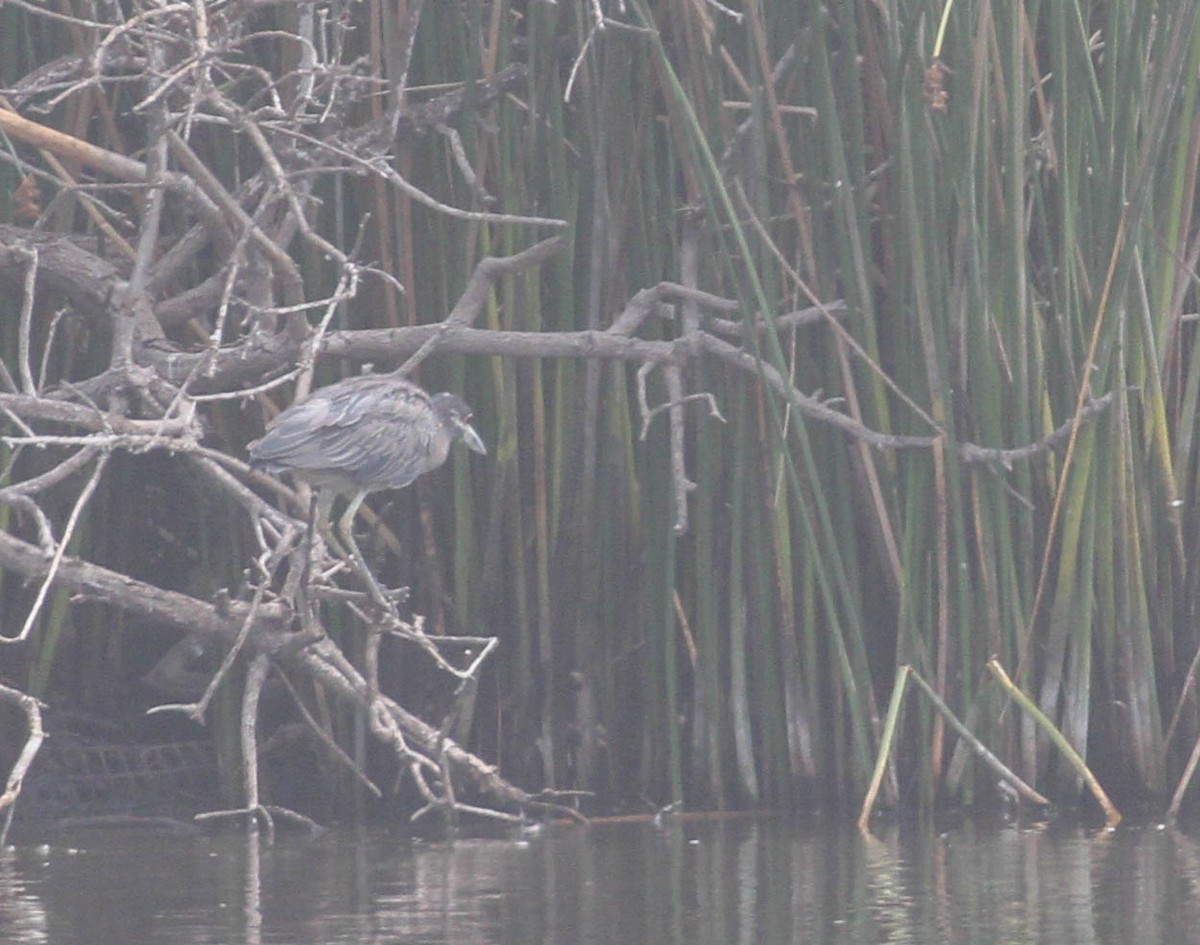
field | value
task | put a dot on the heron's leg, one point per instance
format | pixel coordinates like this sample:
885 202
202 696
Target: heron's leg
298 589
321 522
310 536
346 523
357 561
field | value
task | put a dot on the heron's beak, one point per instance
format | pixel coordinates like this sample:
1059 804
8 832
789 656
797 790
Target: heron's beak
468 435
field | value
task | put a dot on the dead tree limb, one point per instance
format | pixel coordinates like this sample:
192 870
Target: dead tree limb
271 636
33 742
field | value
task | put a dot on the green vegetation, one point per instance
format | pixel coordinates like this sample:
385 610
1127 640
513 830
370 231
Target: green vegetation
1002 195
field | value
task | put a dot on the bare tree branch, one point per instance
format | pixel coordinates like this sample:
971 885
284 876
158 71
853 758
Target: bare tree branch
33 743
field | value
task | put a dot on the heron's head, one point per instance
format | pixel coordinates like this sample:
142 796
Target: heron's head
456 414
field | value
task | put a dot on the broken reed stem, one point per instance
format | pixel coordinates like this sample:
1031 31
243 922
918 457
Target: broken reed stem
1111 814
885 745
889 732
1184 781
978 747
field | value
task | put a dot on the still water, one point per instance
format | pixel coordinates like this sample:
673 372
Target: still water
689 882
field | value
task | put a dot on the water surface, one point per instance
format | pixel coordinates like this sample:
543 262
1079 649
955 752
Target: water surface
689 882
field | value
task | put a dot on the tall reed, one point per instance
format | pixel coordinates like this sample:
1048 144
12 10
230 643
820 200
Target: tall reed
1006 207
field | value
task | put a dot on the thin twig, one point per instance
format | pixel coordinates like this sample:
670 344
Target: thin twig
68 534
24 329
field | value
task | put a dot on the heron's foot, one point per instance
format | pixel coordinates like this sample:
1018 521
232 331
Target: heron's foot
325 559
396 595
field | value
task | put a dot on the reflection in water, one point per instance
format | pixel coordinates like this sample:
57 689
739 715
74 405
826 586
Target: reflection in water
691 882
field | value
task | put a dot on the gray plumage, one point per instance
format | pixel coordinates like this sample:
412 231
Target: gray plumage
362 435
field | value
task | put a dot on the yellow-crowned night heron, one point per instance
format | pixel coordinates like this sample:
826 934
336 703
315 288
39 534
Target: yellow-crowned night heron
363 435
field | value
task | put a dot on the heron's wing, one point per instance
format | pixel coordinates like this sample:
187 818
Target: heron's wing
396 442
378 431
